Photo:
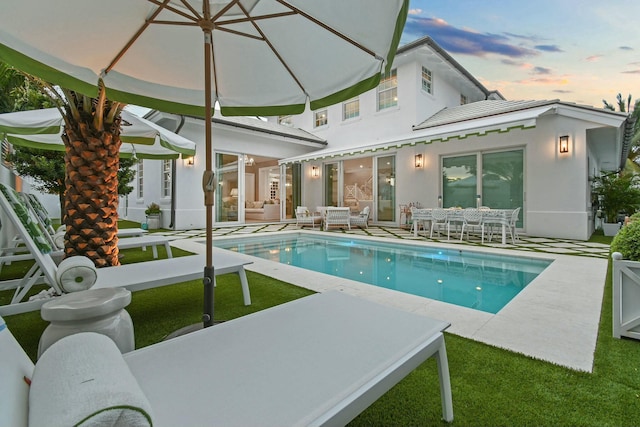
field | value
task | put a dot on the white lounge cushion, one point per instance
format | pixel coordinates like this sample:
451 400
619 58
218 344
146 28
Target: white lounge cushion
82 380
58 239
75 274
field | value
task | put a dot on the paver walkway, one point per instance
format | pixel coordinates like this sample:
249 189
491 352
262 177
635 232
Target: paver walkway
524 243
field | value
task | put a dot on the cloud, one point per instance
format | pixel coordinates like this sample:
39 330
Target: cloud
512 62
465 41
593 58
631 72
548 48
541 70
625 48
415 11
545 81
563 91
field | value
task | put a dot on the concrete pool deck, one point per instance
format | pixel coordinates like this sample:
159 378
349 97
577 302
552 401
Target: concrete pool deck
555 318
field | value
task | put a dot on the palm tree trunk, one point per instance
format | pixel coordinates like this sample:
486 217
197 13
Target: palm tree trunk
91 197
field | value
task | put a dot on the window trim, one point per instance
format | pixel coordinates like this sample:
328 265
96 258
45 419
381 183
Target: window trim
316 118
392 76
355 99
426 82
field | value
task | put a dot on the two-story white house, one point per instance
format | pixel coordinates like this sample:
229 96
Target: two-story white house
430 134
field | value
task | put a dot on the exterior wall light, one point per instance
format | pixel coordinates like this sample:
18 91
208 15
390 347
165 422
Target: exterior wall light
419 161
190 161
564 143
315 172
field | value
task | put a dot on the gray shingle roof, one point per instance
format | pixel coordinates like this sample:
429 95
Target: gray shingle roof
477 110
268 127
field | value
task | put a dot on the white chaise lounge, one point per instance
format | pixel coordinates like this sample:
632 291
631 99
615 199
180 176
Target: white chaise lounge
338 357
134 277
135 238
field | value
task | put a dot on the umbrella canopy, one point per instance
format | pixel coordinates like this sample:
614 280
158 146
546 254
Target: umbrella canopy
252 57
43 128
269 57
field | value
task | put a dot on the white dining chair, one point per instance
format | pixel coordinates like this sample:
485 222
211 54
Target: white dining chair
439 220
472 219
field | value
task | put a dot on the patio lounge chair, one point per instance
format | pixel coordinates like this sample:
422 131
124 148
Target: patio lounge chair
336 217
135 237
362 219
135 277
213 377
304 217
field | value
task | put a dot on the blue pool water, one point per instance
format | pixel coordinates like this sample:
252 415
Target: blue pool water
470 279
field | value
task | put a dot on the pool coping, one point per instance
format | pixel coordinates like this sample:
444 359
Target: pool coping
555 318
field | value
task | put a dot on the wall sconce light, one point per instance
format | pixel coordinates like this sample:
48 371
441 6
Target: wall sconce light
234 192
419 161
564 144
190 161
439 201
315 172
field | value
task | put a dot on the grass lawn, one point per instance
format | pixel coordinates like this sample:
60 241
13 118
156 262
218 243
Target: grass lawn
491 387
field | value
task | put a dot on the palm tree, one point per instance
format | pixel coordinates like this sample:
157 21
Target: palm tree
92 142
91 160
633 159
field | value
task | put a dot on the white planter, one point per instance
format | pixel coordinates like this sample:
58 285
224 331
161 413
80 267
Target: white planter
610 229
626 297
153 221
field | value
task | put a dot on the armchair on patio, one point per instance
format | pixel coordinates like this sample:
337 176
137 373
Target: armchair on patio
304 217
362 219
337 217
472 219
439 220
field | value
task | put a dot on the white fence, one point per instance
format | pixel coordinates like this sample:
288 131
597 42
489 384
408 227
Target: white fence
626 297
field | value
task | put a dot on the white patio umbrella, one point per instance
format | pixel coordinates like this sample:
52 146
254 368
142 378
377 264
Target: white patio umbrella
253 57
43 129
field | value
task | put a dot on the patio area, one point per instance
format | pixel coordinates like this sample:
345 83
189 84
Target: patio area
555 318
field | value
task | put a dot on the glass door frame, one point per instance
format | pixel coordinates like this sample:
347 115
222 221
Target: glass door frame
376 188
223 195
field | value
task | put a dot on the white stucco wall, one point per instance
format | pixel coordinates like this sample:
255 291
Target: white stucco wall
189 197
556 190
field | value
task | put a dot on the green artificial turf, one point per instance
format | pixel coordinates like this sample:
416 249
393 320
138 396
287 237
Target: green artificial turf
490 386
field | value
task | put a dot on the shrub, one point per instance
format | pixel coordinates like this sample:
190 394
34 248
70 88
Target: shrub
627 241
153 208
617 193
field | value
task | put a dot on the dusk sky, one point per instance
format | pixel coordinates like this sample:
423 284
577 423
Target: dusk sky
579 51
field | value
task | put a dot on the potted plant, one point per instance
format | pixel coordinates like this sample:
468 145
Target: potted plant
615 194
153 213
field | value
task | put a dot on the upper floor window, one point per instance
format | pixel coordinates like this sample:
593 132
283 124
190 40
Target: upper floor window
320 118
427 80
463 99
285 120
166 178
351 108
140 179
388 90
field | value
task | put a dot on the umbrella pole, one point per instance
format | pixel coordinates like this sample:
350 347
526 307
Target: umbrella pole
209 185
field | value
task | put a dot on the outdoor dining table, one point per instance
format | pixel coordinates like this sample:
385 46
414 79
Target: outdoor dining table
489 216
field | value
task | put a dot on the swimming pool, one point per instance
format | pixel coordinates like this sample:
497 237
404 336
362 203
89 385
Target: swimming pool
480 281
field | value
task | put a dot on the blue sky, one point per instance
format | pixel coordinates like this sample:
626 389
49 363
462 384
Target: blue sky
579 51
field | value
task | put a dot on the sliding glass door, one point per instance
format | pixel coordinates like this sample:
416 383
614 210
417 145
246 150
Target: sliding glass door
503 180
386 188
493 179
227 193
